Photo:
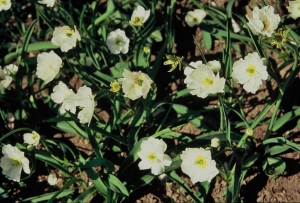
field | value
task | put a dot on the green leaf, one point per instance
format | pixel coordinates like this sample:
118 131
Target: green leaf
66 185
47 196
27 38
207 40
275 166
118 69
281 140
156 36
277 149
99 162
83 197
285 118
116 185
97 181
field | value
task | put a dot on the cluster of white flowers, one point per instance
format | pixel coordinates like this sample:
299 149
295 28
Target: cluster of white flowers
196 162
202 80
5 5
14 160
6 75
263 21
294 8
250 72
84 99
195 17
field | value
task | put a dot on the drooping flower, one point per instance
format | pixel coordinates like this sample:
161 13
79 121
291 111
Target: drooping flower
10 69
215 142
198 165
139 16
153 157
5 4
49 3
117 42
263 21
13 162
85 100
52 179
5 79
48 65
135 84
32 139
202 81
195 17
214 65
60 95
250 72
65 37
294 9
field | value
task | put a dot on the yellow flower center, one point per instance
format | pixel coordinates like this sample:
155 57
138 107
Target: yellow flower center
137 21
195 19
3 2
16 162
200 161
34 136
115 86
299 7
118 41
208 81
266 24
279 38
251 70
138 81
69 34
152 157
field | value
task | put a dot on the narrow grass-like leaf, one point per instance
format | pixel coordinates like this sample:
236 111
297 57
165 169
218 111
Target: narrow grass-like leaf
66 186
117 186
47 196
98 183
27 38
83 197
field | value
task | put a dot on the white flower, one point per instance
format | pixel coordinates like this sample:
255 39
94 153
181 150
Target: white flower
215 142
236 27
195 17
10 69
250 72
48 66
117 42
198 165
214 65
65 37
5 4
135 84
52 179
32 139
264 21
85 100
49 3
5 79
13 161
294 9
153 157
202 81
139 16
61 94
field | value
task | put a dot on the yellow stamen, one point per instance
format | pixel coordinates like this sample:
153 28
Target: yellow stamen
69 34
200 161
152 157
16 162
118 41
3 2
137 21
208 81
266 25
115 86
138 81
195 19
251 70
